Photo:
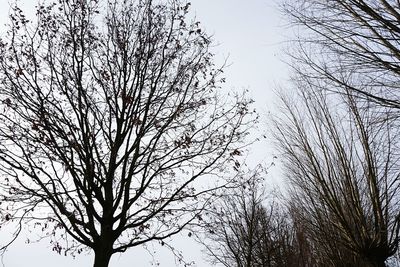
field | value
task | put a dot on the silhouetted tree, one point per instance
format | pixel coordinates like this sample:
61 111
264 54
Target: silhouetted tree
350 45
343 168
112 127
253 229
319 241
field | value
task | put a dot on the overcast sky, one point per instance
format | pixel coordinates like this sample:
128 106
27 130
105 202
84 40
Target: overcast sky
250 34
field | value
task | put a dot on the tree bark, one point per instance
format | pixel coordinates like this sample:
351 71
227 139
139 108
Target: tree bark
380 263
102 257
377 262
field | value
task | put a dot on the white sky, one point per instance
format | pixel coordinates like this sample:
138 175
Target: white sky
250 34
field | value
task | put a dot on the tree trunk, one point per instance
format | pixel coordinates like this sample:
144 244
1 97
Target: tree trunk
377 263
102 257
380 264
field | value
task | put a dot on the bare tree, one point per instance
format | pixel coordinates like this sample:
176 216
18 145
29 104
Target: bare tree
252 229
112 128
343 167
303 252
350 45
319 241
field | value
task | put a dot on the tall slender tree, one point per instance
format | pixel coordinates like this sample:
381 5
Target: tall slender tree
343 166
350 45
253 229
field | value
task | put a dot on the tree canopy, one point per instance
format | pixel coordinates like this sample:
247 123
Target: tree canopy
113 128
